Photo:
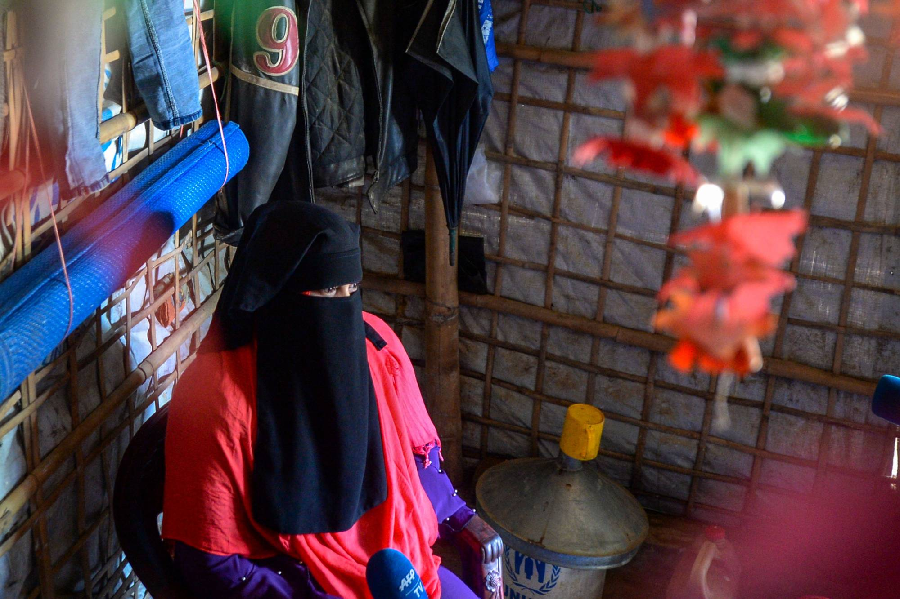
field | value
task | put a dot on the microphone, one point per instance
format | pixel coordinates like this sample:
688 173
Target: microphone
390 575
886 401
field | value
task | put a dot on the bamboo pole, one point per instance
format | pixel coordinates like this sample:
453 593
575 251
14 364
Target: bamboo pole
441 327
551 56
651 341
584 60
18 497
122 123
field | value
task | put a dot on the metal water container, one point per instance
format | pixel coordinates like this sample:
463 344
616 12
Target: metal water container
562 521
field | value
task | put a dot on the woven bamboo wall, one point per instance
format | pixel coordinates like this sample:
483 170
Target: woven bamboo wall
575 259
63 433
577 255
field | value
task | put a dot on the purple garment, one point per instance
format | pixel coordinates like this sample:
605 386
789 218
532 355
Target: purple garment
237 577
452 512
282 577
452 587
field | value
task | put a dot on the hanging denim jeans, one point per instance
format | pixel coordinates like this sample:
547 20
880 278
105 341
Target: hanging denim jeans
162 59
62 70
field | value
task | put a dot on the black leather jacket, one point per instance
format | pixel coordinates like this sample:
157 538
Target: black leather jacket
322 90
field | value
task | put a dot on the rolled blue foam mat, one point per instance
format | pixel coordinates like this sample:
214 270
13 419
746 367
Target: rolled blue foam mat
108 246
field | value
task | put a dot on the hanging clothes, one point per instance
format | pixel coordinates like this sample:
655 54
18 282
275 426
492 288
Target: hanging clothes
323 105
318 102
450 81
62 71
162 60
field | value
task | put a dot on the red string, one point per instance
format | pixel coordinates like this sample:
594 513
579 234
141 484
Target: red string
62 256
58 237
212 87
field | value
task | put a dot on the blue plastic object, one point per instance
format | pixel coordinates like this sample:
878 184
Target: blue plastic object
486 16
390 575
886 401
108 246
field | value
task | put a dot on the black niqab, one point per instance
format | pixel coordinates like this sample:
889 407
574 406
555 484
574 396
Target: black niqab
318 458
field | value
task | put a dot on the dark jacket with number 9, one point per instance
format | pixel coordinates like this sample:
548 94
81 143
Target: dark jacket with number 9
318 87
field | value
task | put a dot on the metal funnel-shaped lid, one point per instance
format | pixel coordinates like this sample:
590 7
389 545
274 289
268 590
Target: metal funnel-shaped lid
564 511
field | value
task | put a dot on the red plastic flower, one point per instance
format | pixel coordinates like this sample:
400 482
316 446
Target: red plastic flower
809 78
715 331
718 306
763 237
680 132
794 40
639 157
675 132
847 115
805 52
674 73
747 359
827 18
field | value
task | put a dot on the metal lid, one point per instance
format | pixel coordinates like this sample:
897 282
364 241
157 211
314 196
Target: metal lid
562 511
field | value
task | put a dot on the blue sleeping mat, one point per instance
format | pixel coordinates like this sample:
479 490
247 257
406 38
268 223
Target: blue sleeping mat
107 247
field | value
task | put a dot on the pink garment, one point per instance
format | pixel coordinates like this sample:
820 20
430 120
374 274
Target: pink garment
209 459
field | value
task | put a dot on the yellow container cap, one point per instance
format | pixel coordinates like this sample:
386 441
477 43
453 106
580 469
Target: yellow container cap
582 431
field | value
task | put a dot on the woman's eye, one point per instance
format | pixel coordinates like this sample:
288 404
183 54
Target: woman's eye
330 291
353 288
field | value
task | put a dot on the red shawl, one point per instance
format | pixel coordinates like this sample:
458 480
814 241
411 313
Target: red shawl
209 458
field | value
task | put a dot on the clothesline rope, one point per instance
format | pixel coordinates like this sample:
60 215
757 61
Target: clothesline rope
56 234
212 87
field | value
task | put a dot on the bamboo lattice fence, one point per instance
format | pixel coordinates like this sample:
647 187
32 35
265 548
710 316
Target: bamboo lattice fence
577 255
63 432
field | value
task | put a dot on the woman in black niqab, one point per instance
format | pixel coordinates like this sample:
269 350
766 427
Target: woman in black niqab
318 458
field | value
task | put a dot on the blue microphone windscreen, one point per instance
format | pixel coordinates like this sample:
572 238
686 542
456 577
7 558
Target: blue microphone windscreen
886 401
391 575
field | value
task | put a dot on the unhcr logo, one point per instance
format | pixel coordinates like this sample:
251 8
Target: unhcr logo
528 578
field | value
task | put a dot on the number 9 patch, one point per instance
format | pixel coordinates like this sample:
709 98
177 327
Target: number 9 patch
276 33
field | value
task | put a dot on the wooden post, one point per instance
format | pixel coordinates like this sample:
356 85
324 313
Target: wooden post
441 328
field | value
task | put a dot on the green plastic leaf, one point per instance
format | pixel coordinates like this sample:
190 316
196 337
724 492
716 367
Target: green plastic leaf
738 147
764 52
804 131
817 132
774 114
763 148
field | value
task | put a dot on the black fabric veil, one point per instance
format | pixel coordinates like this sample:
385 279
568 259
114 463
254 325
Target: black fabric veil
318 458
